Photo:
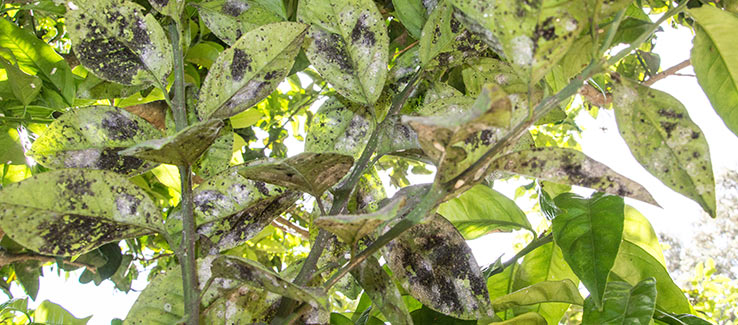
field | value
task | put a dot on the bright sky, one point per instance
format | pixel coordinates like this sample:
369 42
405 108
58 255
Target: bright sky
106 303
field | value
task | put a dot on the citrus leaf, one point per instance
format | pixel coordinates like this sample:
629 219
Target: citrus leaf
382 290
91 137
569 166
412 14
714 63
258 276
623 304
339 128
482 210
216 158
348 45
439 33
433 262
564 291
250 70
312 173
230 19
79 211
35 56
351 228
50 313
25 87
589 232
665 141
171 8
11 151
534 36
531 318
679 319
182 148
117 42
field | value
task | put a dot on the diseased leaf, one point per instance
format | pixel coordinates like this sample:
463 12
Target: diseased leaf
378 285
666 142
79 211
351 228
623 304
714 63
482 210
534 35
257 276
182 148
348 45
33 55
433 262
249 306
400 140
250 70
425 315
312 173
547 291
171 8
589 232
216 158
339 128
569 166
91 137
25 87
230 19
117 42
439 33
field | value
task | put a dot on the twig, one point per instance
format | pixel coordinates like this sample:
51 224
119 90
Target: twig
668 72
406 48
535 243
6 259
287 226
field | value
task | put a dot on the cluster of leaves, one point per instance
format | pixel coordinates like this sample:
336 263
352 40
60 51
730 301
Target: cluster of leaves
162 125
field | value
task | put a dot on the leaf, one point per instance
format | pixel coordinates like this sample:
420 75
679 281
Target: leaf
348 45
168 7
679 319
312 173
589 232
28 273
162 300
482 210
216 158
412 14
339 128
256 275
534 36
638 230
530 318
439 33
399 140
623 304
426 315
250 70
634 265
569 166
113 258
11 151
50 313
35 56
92 137
378 285
352 228
665 141
547 291
79 211
182 148
714 63
25 87
433 262
117 42
230 19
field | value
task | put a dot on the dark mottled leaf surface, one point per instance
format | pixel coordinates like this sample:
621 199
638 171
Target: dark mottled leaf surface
384 294
184 147
339 128
230 19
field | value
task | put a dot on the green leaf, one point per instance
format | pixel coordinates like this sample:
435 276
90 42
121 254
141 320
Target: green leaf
433 262
663 138
426 315
569 166
378 285
117 42
312 173
679 319
348 45
482 210
168 7
501 283
623 304
204 53
35 56
530 318
216 158
589 232
634 264
534 36
547 291
439 33
113 258
92 137
79 211
25 87
28 273
182 148
250 70
339 128
230 19
637 230
50 313
11 151
412 14
352 228
258 276
714 61
161 300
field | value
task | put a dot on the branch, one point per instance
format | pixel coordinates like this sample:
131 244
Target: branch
289 227
535 243
6 259
668 72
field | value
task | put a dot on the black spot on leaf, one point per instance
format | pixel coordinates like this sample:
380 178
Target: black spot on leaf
241 62
119 127
262 188
361 32
670 114
333 48
110 160
234 7
72 233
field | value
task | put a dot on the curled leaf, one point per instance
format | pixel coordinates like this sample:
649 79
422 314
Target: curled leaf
183 148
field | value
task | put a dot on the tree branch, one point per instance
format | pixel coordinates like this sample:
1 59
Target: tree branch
289 227
668 72
6 259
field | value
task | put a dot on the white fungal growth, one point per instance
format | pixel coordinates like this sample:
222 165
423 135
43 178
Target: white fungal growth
570 25
168 307
522 50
